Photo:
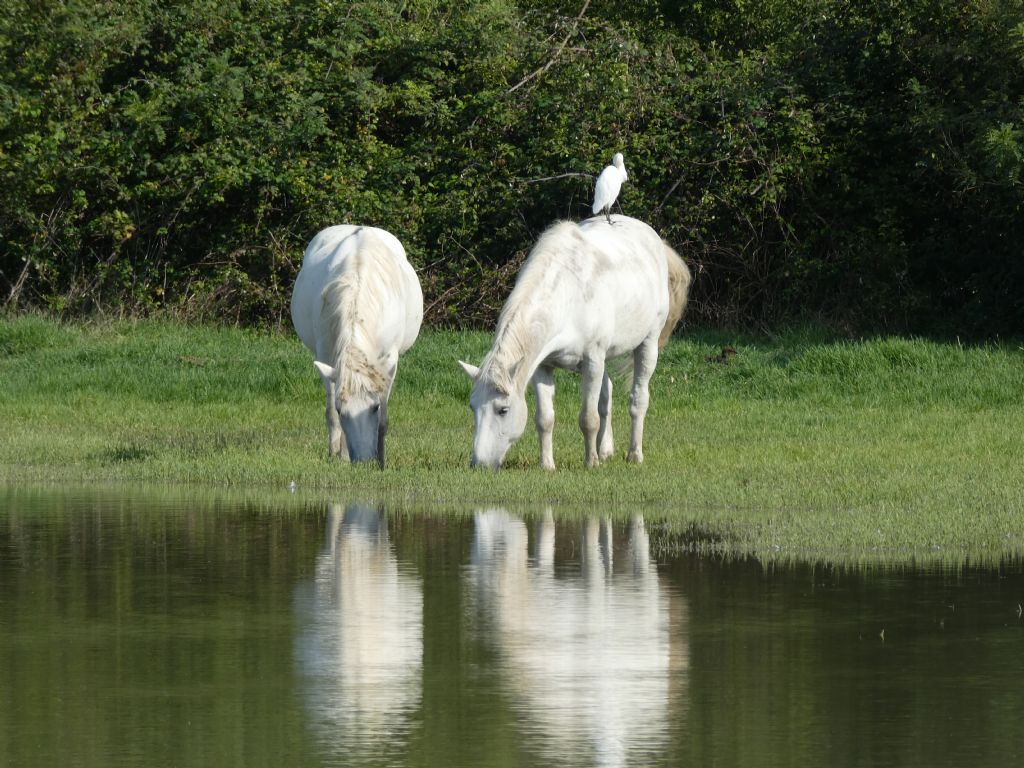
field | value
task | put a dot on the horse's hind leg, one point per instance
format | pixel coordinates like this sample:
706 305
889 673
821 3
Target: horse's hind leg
605 441
645 358
544 418
591 378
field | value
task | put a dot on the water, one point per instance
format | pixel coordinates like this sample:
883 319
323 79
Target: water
138 630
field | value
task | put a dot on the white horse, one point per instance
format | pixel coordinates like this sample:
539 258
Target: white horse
357 305
587 292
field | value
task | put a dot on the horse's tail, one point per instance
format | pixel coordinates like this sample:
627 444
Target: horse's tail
678 290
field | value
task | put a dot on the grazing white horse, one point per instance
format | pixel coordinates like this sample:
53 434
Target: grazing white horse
587 292
357 305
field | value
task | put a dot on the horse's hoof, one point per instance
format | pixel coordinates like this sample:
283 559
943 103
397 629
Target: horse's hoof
635 457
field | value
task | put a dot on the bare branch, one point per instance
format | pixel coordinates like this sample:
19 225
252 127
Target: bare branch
668 195
553 59
18 285
559 176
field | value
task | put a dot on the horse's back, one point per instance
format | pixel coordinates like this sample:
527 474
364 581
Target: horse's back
328 255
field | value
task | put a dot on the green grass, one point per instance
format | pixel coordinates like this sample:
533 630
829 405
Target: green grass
800 446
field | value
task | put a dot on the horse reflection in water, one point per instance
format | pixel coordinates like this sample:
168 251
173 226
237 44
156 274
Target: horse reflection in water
591 657
361 648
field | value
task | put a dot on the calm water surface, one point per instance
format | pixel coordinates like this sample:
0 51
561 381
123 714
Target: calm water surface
151 630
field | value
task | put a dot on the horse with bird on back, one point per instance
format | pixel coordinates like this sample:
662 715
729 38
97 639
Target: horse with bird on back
586 294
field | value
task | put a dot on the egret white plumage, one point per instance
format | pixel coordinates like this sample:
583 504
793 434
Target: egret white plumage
608 185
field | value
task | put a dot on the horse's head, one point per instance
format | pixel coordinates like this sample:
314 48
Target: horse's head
363 412
500 419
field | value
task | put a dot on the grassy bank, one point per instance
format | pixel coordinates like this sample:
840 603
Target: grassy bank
796 445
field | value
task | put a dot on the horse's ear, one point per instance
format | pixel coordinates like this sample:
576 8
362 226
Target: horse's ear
327 373
471 370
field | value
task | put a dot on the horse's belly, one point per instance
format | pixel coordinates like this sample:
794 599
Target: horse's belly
565 359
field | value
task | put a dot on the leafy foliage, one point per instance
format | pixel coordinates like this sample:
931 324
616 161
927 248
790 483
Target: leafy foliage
857 161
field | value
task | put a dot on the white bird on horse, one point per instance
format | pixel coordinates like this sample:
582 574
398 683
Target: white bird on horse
357 305
606 191
585 294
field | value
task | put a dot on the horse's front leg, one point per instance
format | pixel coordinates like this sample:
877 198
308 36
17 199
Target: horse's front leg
645 358
605 441
382 431
336 444
382 417
544 417
591 378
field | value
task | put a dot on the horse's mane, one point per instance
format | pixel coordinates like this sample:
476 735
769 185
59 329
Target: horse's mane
517 329
350 303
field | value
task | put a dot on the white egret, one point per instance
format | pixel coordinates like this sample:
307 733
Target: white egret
608 185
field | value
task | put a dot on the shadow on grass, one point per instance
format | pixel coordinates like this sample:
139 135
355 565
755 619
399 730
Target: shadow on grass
125 454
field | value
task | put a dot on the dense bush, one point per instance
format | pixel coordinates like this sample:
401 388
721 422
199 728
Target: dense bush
857 161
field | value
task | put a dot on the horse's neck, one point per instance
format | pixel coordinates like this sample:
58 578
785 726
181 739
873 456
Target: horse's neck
357 369
521 346
354 355
344 311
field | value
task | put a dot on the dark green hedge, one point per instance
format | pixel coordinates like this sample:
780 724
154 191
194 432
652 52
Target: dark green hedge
854 161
